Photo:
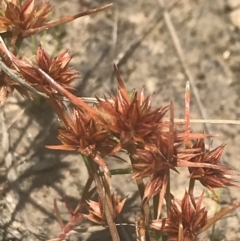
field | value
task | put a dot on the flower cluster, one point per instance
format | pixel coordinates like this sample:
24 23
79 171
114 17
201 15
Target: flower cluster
125 122
96 209
21 19
186 218
211 177
57 68
16 18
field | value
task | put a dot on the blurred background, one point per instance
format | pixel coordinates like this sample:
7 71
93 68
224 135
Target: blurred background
135 36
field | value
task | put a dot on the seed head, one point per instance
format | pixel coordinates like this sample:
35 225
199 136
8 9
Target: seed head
18 16
57 68
130 117
186 217
96 210
85 135
216 177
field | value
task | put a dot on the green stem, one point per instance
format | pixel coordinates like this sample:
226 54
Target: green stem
191 187
85 193
119 171
87 164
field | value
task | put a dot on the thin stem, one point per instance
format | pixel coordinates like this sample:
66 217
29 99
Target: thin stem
158 234
99 185
18 79
191 186
109 218
170 156
84 194
155 206
168 195
105 182
93 100
61 21
146 214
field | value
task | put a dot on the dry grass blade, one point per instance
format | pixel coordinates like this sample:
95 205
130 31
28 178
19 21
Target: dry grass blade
210 121
154 142
187 113
18 79
67 19
219 215
162 194
72 98
101 192
92 100
183 61
14 76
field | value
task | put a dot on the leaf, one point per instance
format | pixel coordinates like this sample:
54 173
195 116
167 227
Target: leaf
62 147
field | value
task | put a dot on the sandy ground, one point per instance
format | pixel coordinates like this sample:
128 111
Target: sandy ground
132 34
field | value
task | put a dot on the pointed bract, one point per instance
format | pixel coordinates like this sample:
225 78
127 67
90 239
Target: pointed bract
18 17
185 214
96 211
86 136
21 19
216 177
57 68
